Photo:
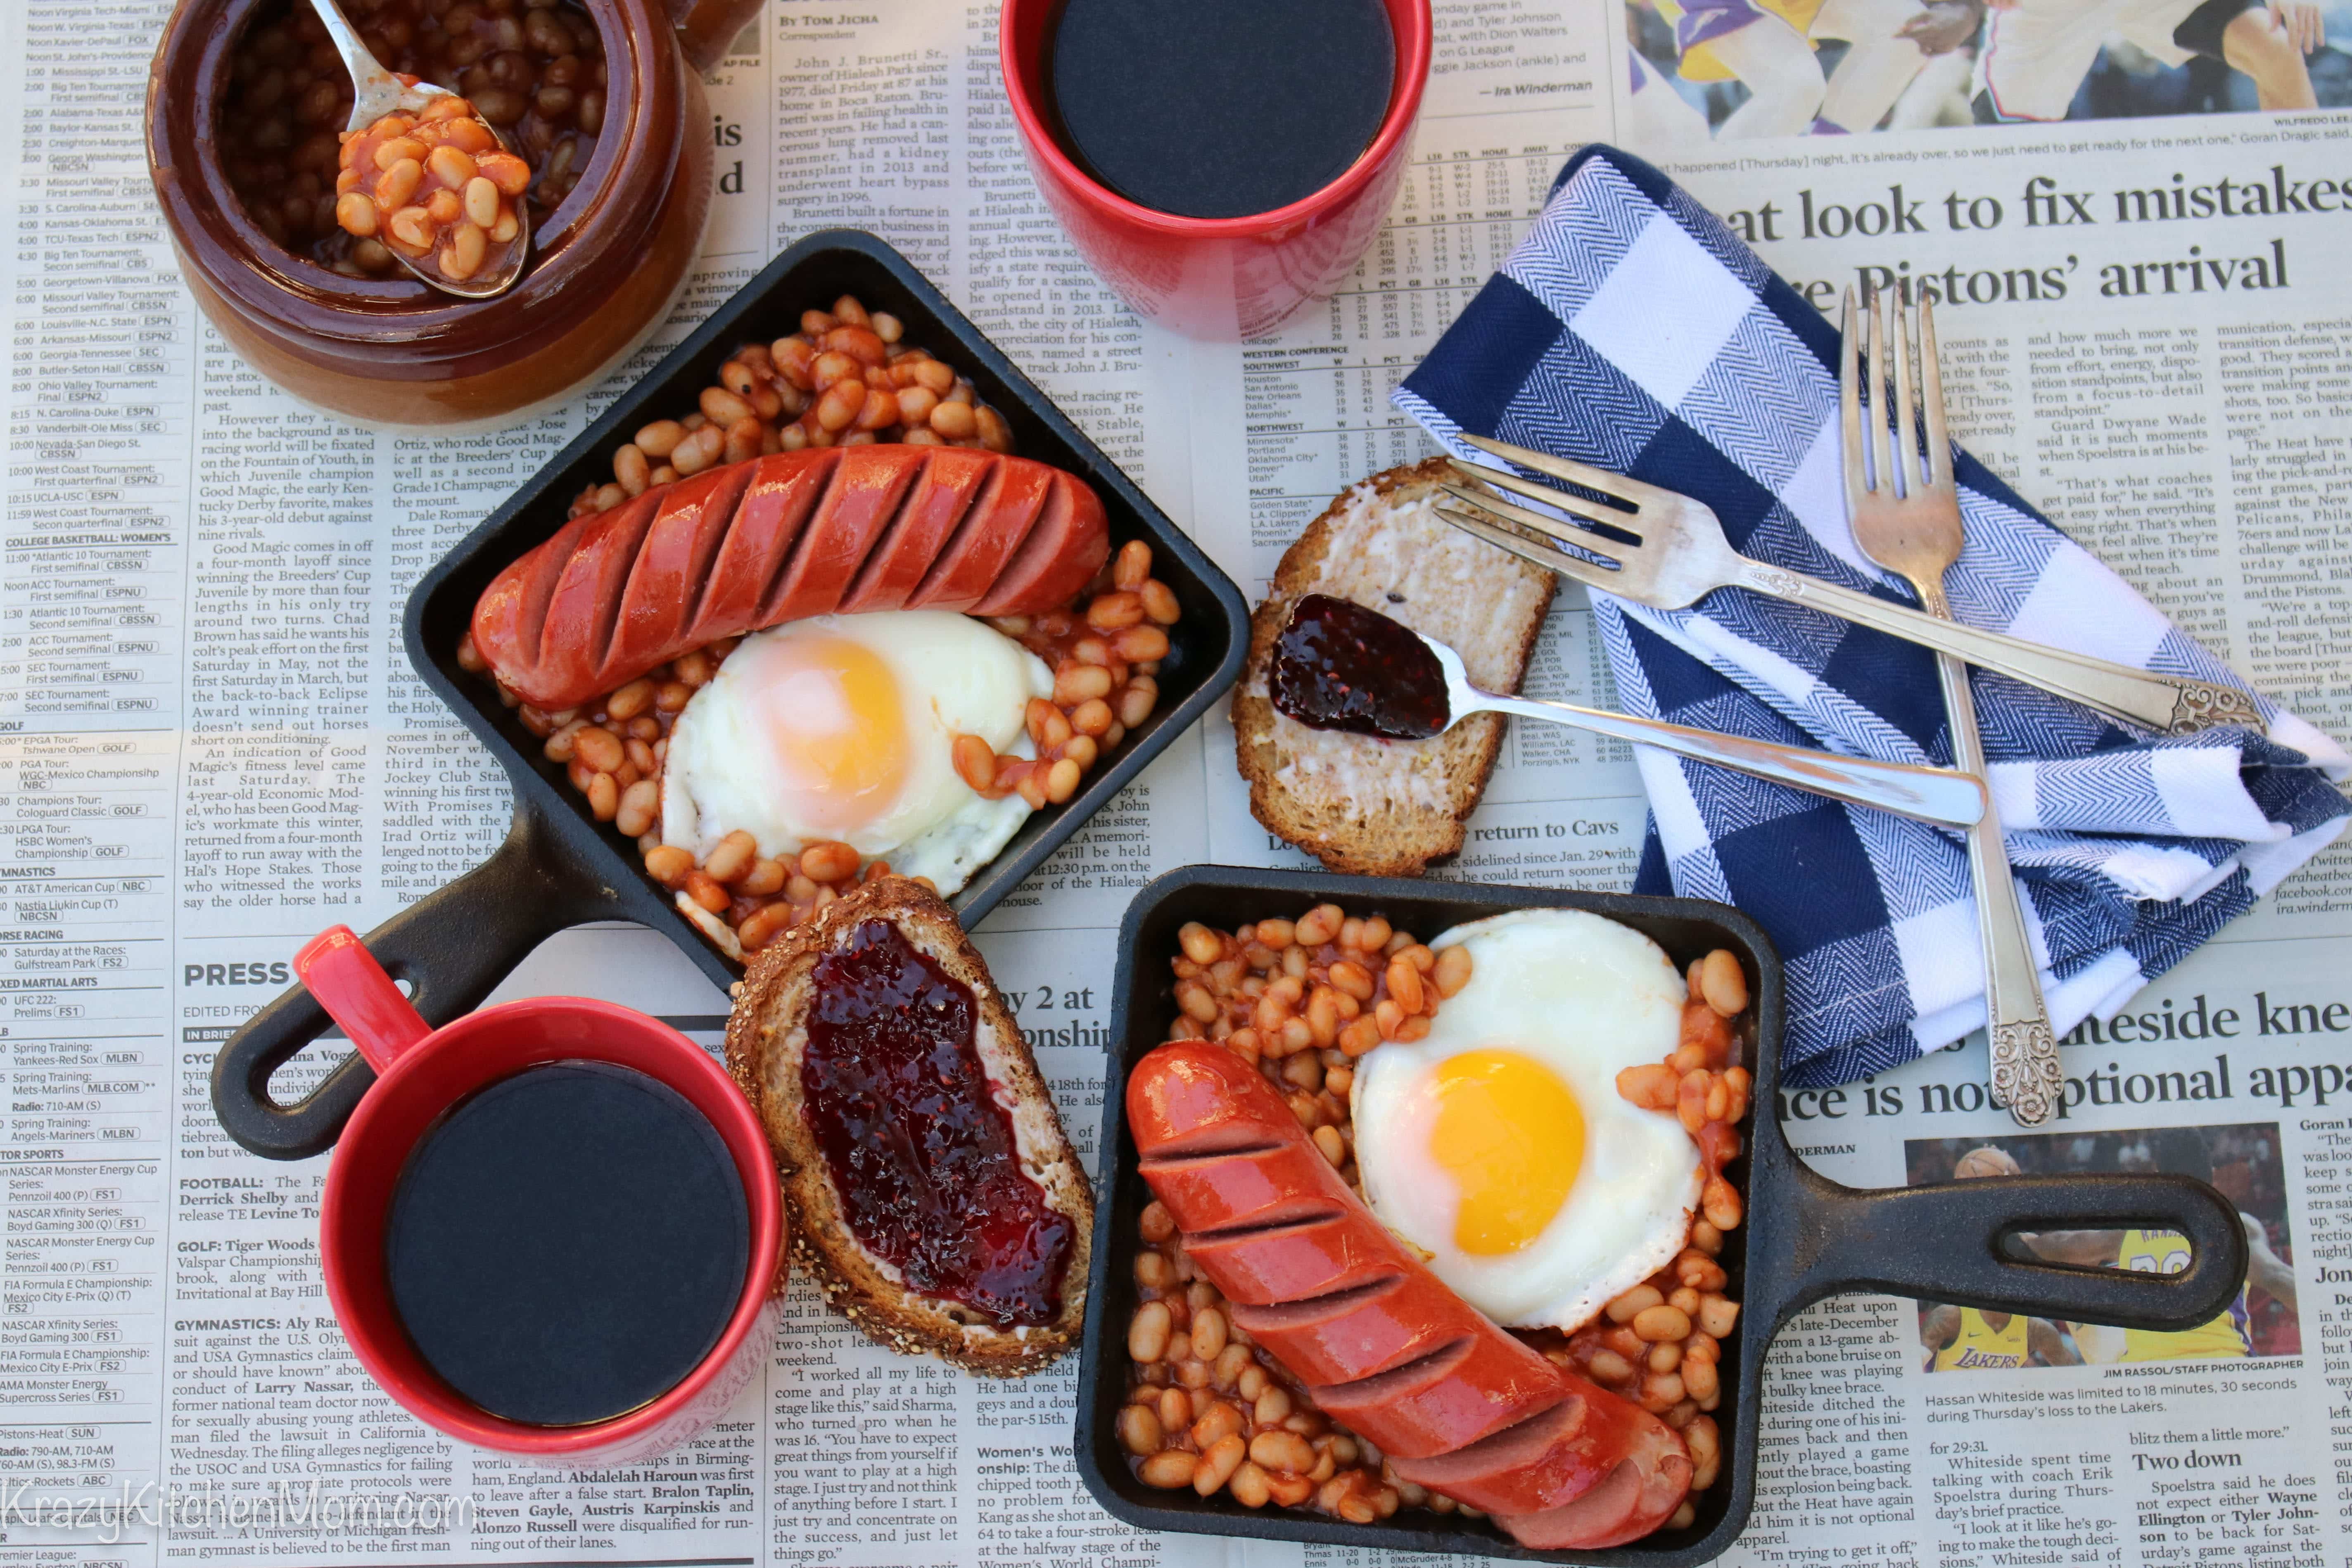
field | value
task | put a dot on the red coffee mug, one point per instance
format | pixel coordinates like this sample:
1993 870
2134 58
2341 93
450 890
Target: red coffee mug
1215 278
421 1072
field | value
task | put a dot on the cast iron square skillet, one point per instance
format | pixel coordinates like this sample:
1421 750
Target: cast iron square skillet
559 867
1804 1237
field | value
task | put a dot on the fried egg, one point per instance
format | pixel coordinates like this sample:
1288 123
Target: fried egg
1497 1143
842 728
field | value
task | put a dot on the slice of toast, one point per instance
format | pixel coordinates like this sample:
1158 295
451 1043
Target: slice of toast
1374 807
766 1036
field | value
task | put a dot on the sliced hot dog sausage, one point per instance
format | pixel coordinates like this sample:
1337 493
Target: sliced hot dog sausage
1380 1344
752 544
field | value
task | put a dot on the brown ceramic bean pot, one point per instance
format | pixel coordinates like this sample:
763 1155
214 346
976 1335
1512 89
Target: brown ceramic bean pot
605 265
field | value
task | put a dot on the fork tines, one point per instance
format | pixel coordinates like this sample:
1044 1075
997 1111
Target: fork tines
1544 555
1871 463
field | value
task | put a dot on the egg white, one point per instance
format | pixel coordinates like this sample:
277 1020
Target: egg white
955 676
1586 997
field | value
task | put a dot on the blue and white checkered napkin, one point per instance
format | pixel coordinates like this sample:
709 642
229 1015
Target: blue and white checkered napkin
1631 330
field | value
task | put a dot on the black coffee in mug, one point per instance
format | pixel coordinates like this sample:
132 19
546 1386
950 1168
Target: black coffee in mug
1217 109
567 1244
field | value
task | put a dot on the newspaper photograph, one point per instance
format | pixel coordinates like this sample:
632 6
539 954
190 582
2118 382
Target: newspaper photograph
212 745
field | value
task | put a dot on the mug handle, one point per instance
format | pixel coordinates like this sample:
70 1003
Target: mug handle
452 946
1943 1243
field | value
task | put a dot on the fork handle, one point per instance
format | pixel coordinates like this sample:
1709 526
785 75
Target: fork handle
1926 794
2026 1076
2168 704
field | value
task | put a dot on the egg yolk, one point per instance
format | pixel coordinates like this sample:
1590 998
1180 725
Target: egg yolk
832 714
1511 1135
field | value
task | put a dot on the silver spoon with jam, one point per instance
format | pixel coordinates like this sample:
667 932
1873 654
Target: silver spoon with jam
1339 666
426 176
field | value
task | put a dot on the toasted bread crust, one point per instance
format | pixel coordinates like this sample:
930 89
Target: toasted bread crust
1379 830
765 1035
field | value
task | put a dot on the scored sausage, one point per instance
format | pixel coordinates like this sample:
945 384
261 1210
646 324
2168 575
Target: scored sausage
1381 1344
754 545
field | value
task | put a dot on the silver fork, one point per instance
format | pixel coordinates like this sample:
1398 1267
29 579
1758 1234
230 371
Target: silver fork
1671 551
1906 518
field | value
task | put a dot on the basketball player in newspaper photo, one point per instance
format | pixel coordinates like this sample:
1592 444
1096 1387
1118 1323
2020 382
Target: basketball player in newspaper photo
1785 68
2241 1160
2038 52
1964 1339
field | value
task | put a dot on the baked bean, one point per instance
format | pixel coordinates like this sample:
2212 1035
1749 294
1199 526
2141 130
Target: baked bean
1201 944
1317 925
765 879
603 797
1140 644
1718 1315
829 862
1719 1201
1652 1085
707 891
1153 1271
1229 1363
763 925
667 864
1723 985
1662 1322
1139 1432
1160 603
1157 1224
1169 1469
1249 1486
1404 986
1175 1409
1062 781
1271 1406
1131 566
1075 683
1624 1309
1280 1450
1218 1462
1703 1471
599 749
994 432
1608 1366
1114 611
1148 1335
639 808
1451 971
732 857
956 421
1252 1384
1137 700
1328 1140
697 450
1216 1420
1700 1379
1208 1334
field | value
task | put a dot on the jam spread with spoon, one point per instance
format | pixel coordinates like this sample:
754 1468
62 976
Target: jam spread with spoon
1339 666
921 1153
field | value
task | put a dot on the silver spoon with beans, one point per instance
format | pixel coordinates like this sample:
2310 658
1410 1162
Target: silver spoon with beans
442 194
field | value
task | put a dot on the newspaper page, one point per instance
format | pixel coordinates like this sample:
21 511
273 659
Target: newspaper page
211 746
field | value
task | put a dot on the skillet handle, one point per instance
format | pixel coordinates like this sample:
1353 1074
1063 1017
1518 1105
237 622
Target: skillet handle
452 946
1943 1243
